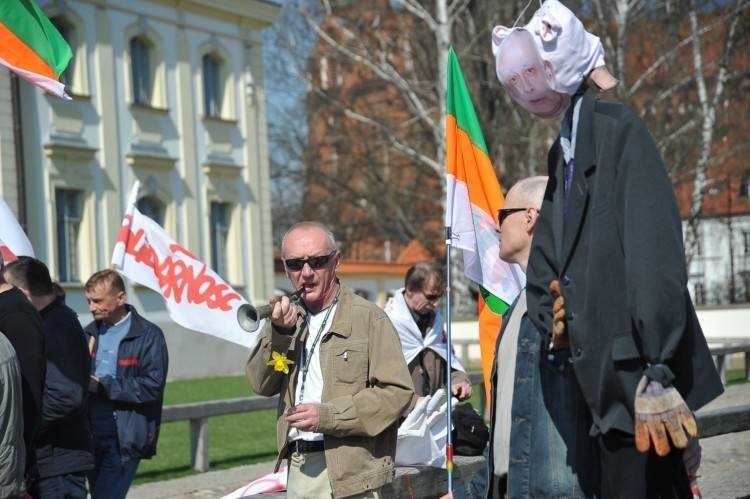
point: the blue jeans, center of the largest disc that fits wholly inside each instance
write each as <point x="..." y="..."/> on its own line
<point x="110" y="478"/>
<point x="477" y="486"/>
<point x="70" y="486"/>
<point x="551" y="453"/>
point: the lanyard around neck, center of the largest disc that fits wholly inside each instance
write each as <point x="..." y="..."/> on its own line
<point x="306" y="362"/>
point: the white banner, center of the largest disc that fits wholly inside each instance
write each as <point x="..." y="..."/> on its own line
<point x="196" y="297"/>
<point x="13" y="240"/>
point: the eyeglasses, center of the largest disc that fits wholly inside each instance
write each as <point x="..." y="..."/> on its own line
<point x="433" y="297"/>
<point x="315" y="262"/>
<point x="504" y="213"/>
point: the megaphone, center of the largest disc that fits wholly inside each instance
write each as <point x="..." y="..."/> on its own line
<point x="249" y="317"/>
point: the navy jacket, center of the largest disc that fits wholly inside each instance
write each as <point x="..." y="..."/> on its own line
<point x="64" y="444"/>
<point x="138" y="388"/>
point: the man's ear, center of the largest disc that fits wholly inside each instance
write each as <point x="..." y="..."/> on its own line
<point x="550" y="72"/>
<point x="532" y="216"/>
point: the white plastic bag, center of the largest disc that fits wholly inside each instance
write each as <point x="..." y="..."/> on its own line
<point x="422" y="435"/>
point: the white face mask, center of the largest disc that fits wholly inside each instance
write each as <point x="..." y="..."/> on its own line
<point x="527" y="78"/>
<point x="565" y="53"/>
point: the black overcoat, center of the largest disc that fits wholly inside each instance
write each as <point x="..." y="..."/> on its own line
<point x="618" y="253"/>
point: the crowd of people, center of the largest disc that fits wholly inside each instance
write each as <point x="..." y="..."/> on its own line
<point x="598" y="367"/>
<point x="600" y="362"/>
<point x="78" y="405"/>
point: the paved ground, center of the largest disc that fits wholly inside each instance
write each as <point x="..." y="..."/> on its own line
<point x="724" y="472"/>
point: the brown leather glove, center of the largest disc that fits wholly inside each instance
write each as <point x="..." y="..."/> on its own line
<point x="559" y="328"/>
<point x="658" y="408"/>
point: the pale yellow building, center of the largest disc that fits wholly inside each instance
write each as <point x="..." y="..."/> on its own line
<point x="167" y="92"/>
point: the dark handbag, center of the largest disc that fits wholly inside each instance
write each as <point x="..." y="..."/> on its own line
<point x="470" y="433"/>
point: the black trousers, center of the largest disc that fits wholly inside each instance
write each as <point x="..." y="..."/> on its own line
<point x="628" y="474"/>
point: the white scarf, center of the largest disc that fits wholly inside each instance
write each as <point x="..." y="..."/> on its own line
<point x="411" y="338"/>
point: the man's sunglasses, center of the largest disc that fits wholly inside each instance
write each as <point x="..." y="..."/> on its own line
<point x="504" y="213"/>
<point x="315" y="262"/>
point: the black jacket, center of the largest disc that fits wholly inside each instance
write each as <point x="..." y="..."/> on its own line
<point x="64" y="444"/>
<point x="619" y="256"/>
<point x="21" y="324"/>
<point x="137" y="390"/>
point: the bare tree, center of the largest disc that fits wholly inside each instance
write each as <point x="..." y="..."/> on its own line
<point x="369" y="155"/>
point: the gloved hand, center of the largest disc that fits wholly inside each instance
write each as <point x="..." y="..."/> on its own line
<point x="559" y="328"/>
<point x="658" y="407"/>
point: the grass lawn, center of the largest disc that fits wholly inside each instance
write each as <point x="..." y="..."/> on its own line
<point x="234" y="440"/>
<point x="736" y="376"/>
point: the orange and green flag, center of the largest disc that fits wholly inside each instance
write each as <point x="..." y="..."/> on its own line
<point x="474" y="196"/>
<point x="31" y="46"/>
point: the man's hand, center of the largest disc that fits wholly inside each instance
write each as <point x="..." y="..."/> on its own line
<point x="559" y="329"/>
<point x="656" y="408"/>
<point x="304" y="417"/>
<point x="461" y="390"/>
<point x="284" y="313"/>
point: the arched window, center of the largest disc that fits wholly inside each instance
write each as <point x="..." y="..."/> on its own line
<point x="141" y="70"/>
<point x="213" y="85"/>
<point x="152" y="208"/>
<point x="219" y="237"/>
<point x="68" y="207"/>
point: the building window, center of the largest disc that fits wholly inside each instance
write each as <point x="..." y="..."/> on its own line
<point x="698" y="242"/>
<point x="746" y="242"/>
<point x="700" y="293"/>
<point x="219" y="237"/>
<point x="213" y="88"/>
<point x="140" y="60"/>
<point x="66" y="78"/>
<point x="68" y="204"/>
<point x="152" y="208"/>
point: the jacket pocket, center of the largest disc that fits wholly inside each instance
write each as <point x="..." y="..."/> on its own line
<point x="350" y="361"/>
<point x="624" y="347"/>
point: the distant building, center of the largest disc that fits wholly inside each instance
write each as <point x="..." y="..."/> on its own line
<point x="660" y="86"/>
<point x="719" y="272"/>
<point x="167" y="93"/>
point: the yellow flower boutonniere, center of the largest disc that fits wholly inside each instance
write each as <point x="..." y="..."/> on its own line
<point x="280" y="362"/>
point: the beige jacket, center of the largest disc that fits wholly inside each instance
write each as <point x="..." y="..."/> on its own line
<point x="366" y="387"/>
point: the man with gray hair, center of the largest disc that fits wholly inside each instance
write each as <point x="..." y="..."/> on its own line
<point x="539" y="444"/>
<point x="606" y="272"/>
<point x="336" y="361"/>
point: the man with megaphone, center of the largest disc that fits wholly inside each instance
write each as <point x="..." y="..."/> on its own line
<point x="337" y="363"/>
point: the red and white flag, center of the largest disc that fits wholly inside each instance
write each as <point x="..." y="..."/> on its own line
<point x="13" y="240"/>
<point x="196" y="297"/>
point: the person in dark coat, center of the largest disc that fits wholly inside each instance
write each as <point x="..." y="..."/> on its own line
<point x="606" y="273"/>
<point x="64" y="450"/>
<point x="128" y="376"/>
<point x="22" y="325"/>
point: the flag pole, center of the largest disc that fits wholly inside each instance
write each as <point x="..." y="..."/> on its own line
<point x="448" y="357"/>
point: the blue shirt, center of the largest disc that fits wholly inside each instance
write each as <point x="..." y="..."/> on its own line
<point x="101" y="409"/>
